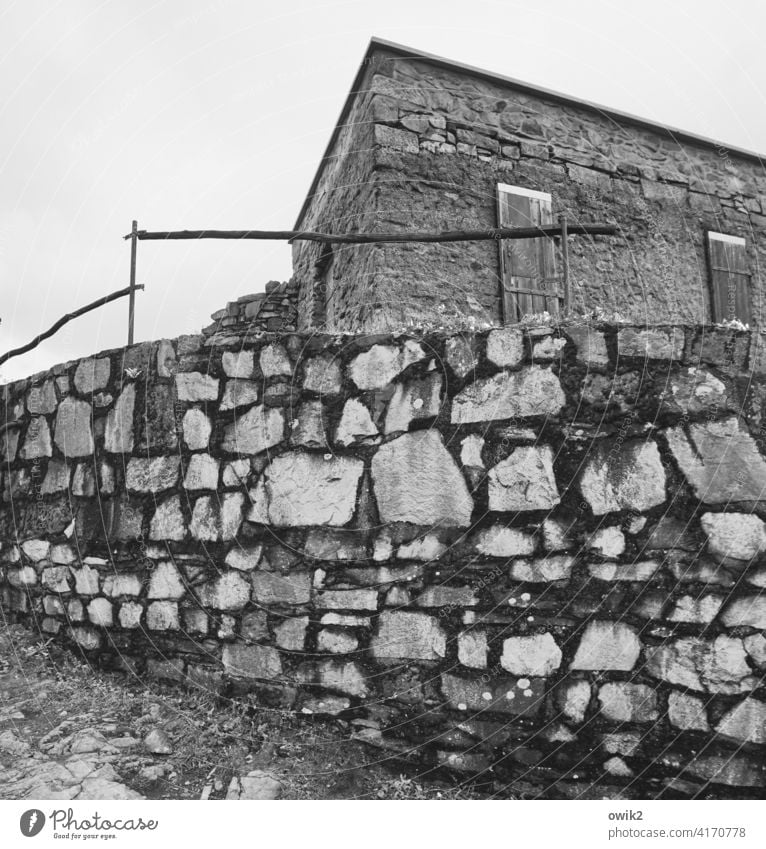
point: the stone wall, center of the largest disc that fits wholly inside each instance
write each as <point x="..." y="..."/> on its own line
<point x="532" y="553"/>
<point x="441" y="139"/>
<point x="274" y="310"/>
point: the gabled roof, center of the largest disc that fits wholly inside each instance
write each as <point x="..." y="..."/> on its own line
<point x="518" y="85"/>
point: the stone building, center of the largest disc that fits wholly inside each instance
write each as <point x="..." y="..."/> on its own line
<point x="426" y="143"/>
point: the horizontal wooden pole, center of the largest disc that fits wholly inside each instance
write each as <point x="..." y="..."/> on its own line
<point x="489" y="234"/>
<point x="64" y="320"/>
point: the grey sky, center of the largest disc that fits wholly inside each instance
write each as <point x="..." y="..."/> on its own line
<point x="215" y="114"/>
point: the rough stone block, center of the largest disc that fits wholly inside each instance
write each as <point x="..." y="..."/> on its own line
<point x="412" y="400"/>
<point x="307" y="489"/>
<point x="92" y="375"/>
<point x="275" y="588"/>
<point x="162" y="616"/>
<point x="627" y="476"/>
<point x="195" y="386"/>
<point x="533" y="391"/>
<point x="607" y="645"/>
<point x="73" y="434"/>
<point x="717" y="666"/>
<point x="122" y="584"/>
<point x="404" y="634"/>
<point x="740" y="536"/>
<point x="275" y="362"/>
<point x="347" y="600"/>
<point x="537" y="655"/>
<point x="416" y="480"/>
<point x="472" y="649"/>
<point x="237" y="363"/>
<point x="239" y="393"/>
<point x="747" y="611"/>
<point x="256" y="430"/>
<point x="334" y="641"/>
<point x="118" y="437"/>
<point x="37" y="442"/>
<point x="229" y="591"/>
<point x="505" y="347"/>
<point x="745" y="722"/>
<point x="166" y="582"/>
<point x="686" y="712"/>
<point x="322" y="375"/>
<point x="518" y="697"/>
<point x="590" y="345"/>
<point x="100" y="612"/>
<point x="356" y="426"/>
<point x="377" y="367"/>
<point x="168" y="521"/>
<point x="720" y="460"/>
<point x="460" y="354"/>
<point x="290" y="633"/>
<point x="622" y="701"/>
<point x="197" y="428"/>
<point x="524" y="481"/>
<point x="243" y="661"/>
<point x="651" y="343"/>
<point x="202" y="472"/>
<point x="153" y="474"/>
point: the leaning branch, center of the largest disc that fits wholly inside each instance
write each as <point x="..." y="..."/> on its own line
<point x="64" y="320"/>
<point x="487" y="234"/>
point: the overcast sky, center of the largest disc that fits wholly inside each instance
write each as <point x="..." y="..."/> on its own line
<point x="215" y="114"/>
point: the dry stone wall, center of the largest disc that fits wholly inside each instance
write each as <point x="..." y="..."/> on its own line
<point x="537" y="553"/>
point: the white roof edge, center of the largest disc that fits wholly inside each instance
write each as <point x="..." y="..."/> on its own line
<point x="520" y="190"/>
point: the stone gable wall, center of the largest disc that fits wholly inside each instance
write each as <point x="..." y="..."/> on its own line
<point x="531" y="551"/>
<point x="438" y="142"/>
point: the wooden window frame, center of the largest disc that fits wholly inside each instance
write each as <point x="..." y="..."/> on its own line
<point x="727" y="310"/>
<point x="512" y="294"/>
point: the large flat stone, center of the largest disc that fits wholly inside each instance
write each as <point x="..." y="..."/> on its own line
<point x="153" y="474"/>
<point x="307" y="489"/>
<point x="377" y="367"/>
<point x="745" y="722"/>
<point x="415" y="399"/>
<point x="536" y="654"/>
<point x="37" y="442"/>
<point x="405" y="634"/>
<point x="533" y="391"/>
<point x="627" y="476"/>
<point x="92" y="375"/>
<point x="524" y="480"/>
<point x="243" y="661"/>
<point x="717" y="666"/>
<point x="740" y="536"/>
<point x="73" y="435"/>
<point x="195" y="386"/>
<point x="118" y="437"/>
<point x="256" y="430"/>
<point x="416" y="480"/>
<point x="607" y="645"/>
<point x="720" y="460"/>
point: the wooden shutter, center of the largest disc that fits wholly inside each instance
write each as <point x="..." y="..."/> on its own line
<point x="729" y="278"/>
<point x="527" y="266"/>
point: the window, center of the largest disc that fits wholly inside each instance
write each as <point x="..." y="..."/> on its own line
<point x="729" y="278"/>
<point x="527" y="266"/>
<point x="322" y="278"/>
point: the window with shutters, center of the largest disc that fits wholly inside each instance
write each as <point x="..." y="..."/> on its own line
<point x="729" y="278"/>
<point x="527" y="266"/>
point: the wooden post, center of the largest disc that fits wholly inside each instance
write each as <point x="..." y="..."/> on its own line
<point x="132" y="298"/>
<point x="565" y="262"/>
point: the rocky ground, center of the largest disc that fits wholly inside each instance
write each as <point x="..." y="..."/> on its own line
<point x="69" y="732"/>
